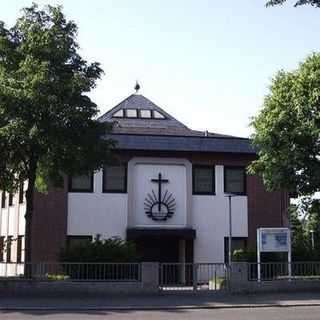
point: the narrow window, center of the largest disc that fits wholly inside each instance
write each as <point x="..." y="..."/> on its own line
<point x="8" y="248"/>
<point x="145" y="114"/>
<point x="3" y="199"/>
<point x="158" y="115"/>
<point x="1" y="248"/>
<point x="78" y="240"/>
<point x="118" y="114"/>
<point x="21" y="193"/>
<point x="203" y="180"/>
<point x="10" y="199"/>
<point x="235" y="180"/>
<point x="115" y="179"/>
<point x="131" y="113"/>
<point x="83" y="183"/>
<point x="19" y="248"/>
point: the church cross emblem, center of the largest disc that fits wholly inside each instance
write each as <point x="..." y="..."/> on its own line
<point x="161" y="206"/>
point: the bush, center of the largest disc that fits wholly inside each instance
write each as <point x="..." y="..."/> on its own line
<point x="250" y="255"/>
<point x="108" y="251"/>
<point x="242" y="255"/>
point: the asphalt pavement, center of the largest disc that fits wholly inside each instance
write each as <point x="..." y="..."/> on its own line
<point x="172" y="301"/>
<point x="282" y="313"/>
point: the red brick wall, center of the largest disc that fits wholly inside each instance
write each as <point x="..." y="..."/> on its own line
<point x="265" y="209"/>
<point x="49" y="225"/>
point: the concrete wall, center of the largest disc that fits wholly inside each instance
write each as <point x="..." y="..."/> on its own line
<point x="66" y="288"/>
<point x="211" y="220"/>
<point x="240" y="284"/>
<point x="12" y="223"/>
<point x="149" y="283"/>
<point x="109" y="214"/>
<point x="97" y="212"/>
<point x="141" y="171"/>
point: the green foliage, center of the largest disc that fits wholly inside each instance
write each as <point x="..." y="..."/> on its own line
<point x="312" y="226"/>
<point x="242" y="255"/>
<point x="287" y="131"/>
<point x="305" y="219"/>
<point x="47" y="120"/>
<point x="48" y="123"/>
<point x="299" y="241"/>
<point x="315" y="3"/>
<point x="109" y="250"/>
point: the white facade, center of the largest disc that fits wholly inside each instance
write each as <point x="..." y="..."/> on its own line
<point x="211" y="221"/>
<point x="110" y="214"/>
<point x="97" y="212"/>
<point x="12" y="225"/>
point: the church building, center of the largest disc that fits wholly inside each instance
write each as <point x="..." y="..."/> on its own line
<point x="166" y="191"/>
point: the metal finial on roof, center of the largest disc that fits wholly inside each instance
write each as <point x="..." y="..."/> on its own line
<point x="137" y="87"/>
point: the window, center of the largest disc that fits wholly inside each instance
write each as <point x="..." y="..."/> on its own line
<point x="115" y="179"/>
<point x="78" y="240"/>
<point x="19" y="248"/>
<point x="83" y="183"/>
<point x="21" y="193"/>
<point x="131" y="113"/>
<point x="10" y="199"/>
<point x="158" y="115"/>
<point x="236" y="244"/>
<point x="145" y="114"/>
<point x="8" y="248"/>
<point x="1" y="248"/>
<point x="235" y="180"/>
<point x="3" y="199"/>
<point x="203" y="180"/>
<point x="118" y="114"/>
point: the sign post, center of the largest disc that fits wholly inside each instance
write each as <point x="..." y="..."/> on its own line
<point x="273" y="240"/>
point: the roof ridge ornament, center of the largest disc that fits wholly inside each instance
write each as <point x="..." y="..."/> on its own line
<point x="137" y="87"/>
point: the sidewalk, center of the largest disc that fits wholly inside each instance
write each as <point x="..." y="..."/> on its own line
<point x="163" y="302"/>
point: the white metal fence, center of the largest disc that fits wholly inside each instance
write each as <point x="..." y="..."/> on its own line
<point x="73" y="271"/>
<point x="193" y="276"/>
<point x="284" y="271"/>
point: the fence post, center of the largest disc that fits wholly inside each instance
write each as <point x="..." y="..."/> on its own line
<point x="238" y="276"/>
<point x="150" y="276"/>
<point x="195" y="276"/>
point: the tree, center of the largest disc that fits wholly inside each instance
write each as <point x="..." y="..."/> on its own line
<point x="300" y="246"/>
<point x="315" y="3"/>
<point x="47" y="120"/>
<point x="287" y="131"/>
<point x="313" y="226"/>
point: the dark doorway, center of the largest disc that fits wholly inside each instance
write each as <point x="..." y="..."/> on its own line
<point x="158" y="249"/>
<point x="164" y="249"/>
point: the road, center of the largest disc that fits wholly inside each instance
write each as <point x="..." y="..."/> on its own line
<point x="279" y="313"/>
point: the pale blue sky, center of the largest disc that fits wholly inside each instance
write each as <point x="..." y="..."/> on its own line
<point x="207" y="62"/>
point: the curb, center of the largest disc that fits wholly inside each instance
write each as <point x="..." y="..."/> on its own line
<point x="159" y="308"/>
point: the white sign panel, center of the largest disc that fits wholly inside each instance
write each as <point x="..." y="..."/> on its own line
<point x="274" y="239"/>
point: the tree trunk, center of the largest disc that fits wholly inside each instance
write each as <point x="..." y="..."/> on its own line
<point x="28" y="220"/>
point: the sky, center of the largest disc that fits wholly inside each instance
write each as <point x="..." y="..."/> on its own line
<point x="209" y="63"/>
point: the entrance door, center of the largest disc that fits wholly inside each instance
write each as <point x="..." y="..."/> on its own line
<point x="158" y="249"/>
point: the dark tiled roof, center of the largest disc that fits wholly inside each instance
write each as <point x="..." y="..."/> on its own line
<point x="182" y="143"/>
<point x="166" y="134"/>
<point x="165" y="131"/>
<point x="138" y="101"/>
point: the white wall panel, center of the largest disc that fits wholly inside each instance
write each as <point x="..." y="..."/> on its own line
<point x="22" y="220"/>
<point x="4" y="221"/>
<point x="97" y="212"/>
<point x="211" y="221"/>
<point x="12" y="221"/>
<point x="142" y="186"/>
